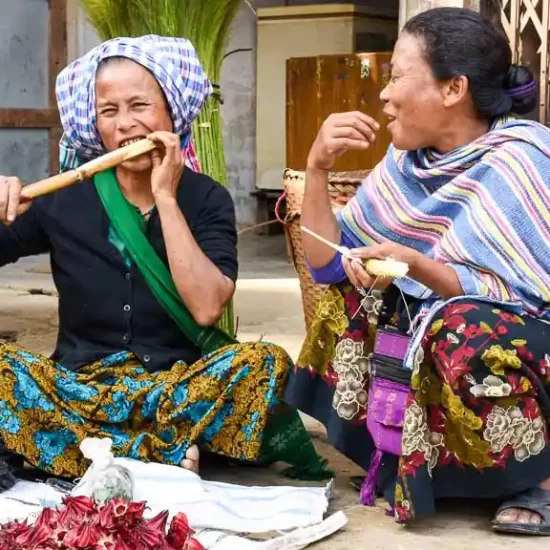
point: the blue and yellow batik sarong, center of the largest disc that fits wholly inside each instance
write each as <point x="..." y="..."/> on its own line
<point x="227" y="403"/>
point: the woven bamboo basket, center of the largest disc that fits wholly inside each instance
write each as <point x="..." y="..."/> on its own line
<point x="342" y="187"/>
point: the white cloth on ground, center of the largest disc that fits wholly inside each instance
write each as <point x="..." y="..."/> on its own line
<point x="212" y="505"/>
<point x="217" y="511"/>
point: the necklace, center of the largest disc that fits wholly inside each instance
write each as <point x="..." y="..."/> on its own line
<point x="145" y="212"/>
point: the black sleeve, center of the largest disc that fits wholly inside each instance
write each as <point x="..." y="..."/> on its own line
<point x="24" y="237"/>
<point x="216" y="233"/>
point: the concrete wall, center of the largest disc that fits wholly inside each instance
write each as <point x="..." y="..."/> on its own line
<point x="238" y="86"/>
<point x="24" y="84"/>
<point x="81" y="36"/>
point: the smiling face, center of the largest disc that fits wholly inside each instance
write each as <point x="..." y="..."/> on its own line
<point x="416" y="103"/>
<point x="130" y="105"/>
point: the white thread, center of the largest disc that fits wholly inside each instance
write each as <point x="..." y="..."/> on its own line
<point x="410" y="331"/>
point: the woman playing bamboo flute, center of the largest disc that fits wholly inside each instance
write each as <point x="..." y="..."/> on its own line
<point x="144" y="259"/>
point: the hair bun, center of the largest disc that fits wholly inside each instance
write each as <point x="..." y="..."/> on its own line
<point x="521" y="87"/>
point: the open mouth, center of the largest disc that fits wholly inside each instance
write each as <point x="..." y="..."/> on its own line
<point x="130" y="141"/>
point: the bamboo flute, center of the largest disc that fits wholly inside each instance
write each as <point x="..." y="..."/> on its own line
<point x="87" y="170"/>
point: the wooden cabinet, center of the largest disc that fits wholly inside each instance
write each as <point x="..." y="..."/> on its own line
<point x="322" y="85"/>
<point x="307" y="31"/>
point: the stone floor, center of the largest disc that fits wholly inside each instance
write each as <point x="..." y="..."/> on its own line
<point x="268" y="305"/>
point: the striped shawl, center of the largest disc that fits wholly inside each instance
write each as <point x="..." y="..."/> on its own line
<point x="483" y="209"/>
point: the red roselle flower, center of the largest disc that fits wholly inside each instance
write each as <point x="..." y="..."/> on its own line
<point x="13" y="530"/>
<point x="180" y="532"/>
<point x="122" y="544"/>
<point x="35" y="536"/>
<point x="86" y="535"/>
<point x="59" y="535"/>
<point x="74" y="510"/>
<point x="158" y="523"/>
<point x="120" y="507"/>
<point x="82" y="524"/>
<point x="105" y="517"/>
<point x="105" y="543"/>
<point x="149" y="538"/>
<point x="79" y="505"/>
<point x="135" y="512"/>
<point x="49" y="517"/>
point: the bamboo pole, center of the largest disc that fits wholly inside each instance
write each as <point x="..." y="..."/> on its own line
<point x="86" y="171"/>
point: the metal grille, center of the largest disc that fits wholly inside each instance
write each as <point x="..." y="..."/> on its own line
<point x="526" y="24"/>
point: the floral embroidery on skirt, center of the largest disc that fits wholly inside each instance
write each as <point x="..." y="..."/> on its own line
<point x="477" y="411"/>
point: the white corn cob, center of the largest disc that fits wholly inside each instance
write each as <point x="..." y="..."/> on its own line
<point x="387" y="268"/>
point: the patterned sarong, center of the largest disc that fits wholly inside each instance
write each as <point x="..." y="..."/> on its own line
<point x="228" y="403"/>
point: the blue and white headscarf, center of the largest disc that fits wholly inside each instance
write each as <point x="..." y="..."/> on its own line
<point x="172" y="61"/>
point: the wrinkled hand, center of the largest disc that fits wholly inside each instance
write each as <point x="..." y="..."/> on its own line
<point x="340" y="133"/>
<point x="11" y="204"/>
<point x="359" y="276"/>
<point x="387" y="250"/>
<point x="168" y="164"/>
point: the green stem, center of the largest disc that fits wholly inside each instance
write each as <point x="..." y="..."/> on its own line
<point x="208" y="140"/>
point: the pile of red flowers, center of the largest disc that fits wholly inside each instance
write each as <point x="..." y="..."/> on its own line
<point x="84" y="525"/>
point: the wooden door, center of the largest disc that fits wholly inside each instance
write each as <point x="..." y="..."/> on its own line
<point x="320" y="86"/>
<point x="33" y="49"/>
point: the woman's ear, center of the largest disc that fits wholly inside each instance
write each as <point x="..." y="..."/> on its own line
<point x="455" y="90"/>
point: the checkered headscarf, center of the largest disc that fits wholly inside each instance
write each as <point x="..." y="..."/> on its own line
<point x="172" y="61"/>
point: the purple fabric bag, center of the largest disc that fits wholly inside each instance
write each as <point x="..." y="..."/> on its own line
<point x="391" y="343"/>
<point x="388" y="393"/>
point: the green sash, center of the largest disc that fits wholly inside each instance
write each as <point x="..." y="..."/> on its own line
<point x="127" y="222"/>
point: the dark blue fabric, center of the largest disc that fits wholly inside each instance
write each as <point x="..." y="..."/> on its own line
<point x="104" y="306"/>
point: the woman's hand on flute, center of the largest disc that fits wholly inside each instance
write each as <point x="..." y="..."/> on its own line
<point x="11" y="204"/>
<point x="168" y="165"/>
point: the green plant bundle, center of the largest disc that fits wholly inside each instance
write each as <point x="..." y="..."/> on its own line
<point x="207" y="24"/>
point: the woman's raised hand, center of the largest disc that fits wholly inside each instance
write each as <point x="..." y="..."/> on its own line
<point x="340" y="133"/>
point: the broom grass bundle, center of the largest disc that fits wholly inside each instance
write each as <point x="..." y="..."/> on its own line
<point x="207" y="24"/>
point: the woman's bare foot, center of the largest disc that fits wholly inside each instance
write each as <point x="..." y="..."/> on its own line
<point x="191" y="460"/>
<point x="520" y="515"/>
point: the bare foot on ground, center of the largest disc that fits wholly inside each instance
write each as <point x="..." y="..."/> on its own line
<point x="191" y="460"/>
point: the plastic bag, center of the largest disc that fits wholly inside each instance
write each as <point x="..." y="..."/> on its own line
<point x="104" y="480"/>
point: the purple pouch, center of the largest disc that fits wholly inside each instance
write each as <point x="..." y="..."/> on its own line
<point x="388" y="393"/>
<point x="391" y="343"/>
<point x="385" y="414"/>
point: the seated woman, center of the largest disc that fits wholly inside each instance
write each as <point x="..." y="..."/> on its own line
<point x="144" y="258"/>
<point x="463" y="197"/>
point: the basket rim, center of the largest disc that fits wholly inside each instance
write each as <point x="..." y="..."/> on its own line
<point x="350" y="177"/>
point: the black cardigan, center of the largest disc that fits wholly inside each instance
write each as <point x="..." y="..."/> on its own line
<point x="104" y="307"/>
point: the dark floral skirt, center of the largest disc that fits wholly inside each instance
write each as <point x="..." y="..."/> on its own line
<point x="476" y="423"/>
